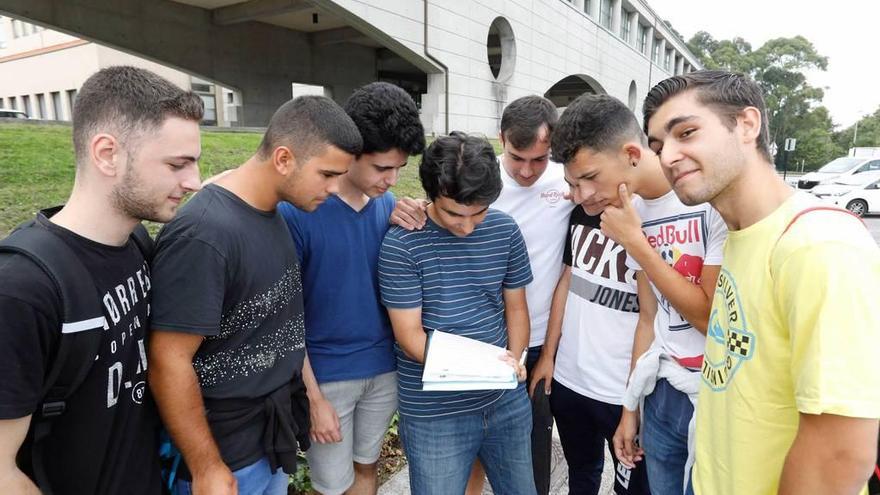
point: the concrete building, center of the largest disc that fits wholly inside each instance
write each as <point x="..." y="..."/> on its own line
<point x="41" y="71"/>
<point x="462" y="60"/>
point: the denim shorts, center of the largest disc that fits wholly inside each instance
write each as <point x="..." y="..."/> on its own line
<point x="441" y="450"/>
<point x="364" y="407"/>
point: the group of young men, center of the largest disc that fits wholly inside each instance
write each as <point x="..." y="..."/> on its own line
<point x="645" y="273"/>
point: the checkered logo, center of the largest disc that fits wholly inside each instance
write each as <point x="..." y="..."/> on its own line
<point x="739" y="344"/>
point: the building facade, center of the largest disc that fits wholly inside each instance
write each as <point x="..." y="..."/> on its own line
<point x="41" y="71"/>
<point x="462" y="61"/>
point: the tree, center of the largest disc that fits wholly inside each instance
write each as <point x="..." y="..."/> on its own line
<point x="793" y="105"/>
<point x="869" y="132"/>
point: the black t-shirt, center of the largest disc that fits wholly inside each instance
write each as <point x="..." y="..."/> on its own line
<point x="106" y="441"/>
<point x="579" y="217"/>
<point x="230" y="272"/>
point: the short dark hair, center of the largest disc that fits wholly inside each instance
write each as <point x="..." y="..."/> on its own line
<point x="387" y="117"/>
<point x="524" y="116"/>
<point x="462" y="168"/>
<point x="306" y="125"/>
<point x="129" y="100"/>
<point x="596" y="122"/>
<point x="726" y="93"/>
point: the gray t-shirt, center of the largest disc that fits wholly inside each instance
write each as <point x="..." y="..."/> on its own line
<point x="230" y="272"/>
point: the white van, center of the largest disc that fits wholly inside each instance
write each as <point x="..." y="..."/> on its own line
<point x="845" y="165"/>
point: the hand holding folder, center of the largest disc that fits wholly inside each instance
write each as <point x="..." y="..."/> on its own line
<point x="454" y="363"/>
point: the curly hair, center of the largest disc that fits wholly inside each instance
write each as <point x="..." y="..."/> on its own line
<point x="596" y="122"/>
<point x="387" y="117"/>
<point x="462" y="168"/>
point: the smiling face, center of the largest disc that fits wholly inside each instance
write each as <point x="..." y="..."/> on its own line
<point x="374" y="173"/>
<point x="526" y="166"/>
<point x="594" y="178"/>
<point x="699" y="154"/>
<point x="457" y="218"/>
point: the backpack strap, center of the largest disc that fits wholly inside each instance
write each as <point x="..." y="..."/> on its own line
<point x="818" y="208"/>
<point x="143" y="241"/>
<point x="82" y="326"/>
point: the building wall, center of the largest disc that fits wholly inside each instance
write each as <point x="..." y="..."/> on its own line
<point x="553" y="39"/>
<point x="37" y="63"/>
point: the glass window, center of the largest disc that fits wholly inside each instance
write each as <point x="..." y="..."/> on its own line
<point x="643" y="39"/>
<point x="56" y="105"/>
<point x="210" y="102"/>
<point x="71" y="100"/>
<point x="667" y="61"/>
<point x="655" y="52"/>
<point x="26" y="104"/>
<point x="624" y="25"/>
<point x="587" y="6"/>
<point x="16" y="28"/>
<point x="605" y="13"/>
<point x="41" y="104"/>
<point x="13" y="104"/>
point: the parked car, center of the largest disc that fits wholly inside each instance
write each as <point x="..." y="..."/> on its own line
<point x="7" y="113"/>
<point x="845" y="165"/>
<point x="858" y="193"/>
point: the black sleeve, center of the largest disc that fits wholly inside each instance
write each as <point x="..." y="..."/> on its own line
<point x="572" y="221"/>
<point x="189" y="281"/>
<point x="30" y="325"/>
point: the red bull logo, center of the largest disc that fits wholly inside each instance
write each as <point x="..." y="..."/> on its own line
<point x="671" y="234"/>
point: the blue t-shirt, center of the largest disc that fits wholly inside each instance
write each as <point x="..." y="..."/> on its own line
<point x="348" y="335"/>
<point x="458" y="282"/>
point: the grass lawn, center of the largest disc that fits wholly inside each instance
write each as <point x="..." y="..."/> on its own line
<point x="37" y="167"/>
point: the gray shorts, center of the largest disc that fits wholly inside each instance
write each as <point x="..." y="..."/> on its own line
<point x="365" y="407"/>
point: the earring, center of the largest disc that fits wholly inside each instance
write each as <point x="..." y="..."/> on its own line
<point x="635" y="163"/>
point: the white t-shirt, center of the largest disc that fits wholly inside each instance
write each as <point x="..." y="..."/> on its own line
<point x="542" y="215"/>
<point x="601" y="312"/>
<point x="687" y="237"/>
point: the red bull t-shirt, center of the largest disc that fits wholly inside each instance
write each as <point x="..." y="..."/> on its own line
<point x="687" y="237"/>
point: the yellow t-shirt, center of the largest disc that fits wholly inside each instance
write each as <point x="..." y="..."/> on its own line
<point x="794" y="328"/>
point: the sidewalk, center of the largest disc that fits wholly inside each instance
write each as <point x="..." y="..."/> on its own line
<point x="399" y="483"/>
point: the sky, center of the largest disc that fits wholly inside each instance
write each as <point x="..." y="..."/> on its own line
<point x="845" y="31"/>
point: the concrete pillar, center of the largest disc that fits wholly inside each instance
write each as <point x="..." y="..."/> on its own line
<point x="650" y="48"/>
<point x="661" y="53"/>
<point x="593" y="9"/>
<point x="260" y="98"/>
<point x="220" y="106"/>
<point x="65" y="106"/>
<point x="578" y="4"/>
<point x="433" y="111"/>
<point x="616" y="13"/>
<point x="679" y="65"/>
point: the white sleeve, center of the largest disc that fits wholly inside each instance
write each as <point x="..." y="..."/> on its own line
<point x="639" y="206"/>
<point x="717" y="235"/>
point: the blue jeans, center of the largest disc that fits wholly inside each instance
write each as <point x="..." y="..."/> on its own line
<point x="664" y="437"/>
<point x="256" y="479"/>
<point x="441" y="451"/>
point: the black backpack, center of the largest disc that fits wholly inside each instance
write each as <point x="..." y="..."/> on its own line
<point x="82" y="321"/>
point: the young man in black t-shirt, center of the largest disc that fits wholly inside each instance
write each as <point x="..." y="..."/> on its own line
<point x="229" y="340"/>
<point x="136" y="138"/>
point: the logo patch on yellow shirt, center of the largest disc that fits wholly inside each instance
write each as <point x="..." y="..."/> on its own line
<point x="729" y="343"/>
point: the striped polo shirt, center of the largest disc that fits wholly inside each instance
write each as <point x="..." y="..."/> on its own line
<point x="458" y="282"/>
